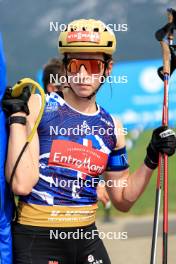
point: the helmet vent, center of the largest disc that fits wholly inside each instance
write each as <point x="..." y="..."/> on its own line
<point x="109" y="44"/>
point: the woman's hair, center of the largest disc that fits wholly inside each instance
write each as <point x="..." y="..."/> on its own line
<point x="107" y="57"/>
<point x="54" y="67"/>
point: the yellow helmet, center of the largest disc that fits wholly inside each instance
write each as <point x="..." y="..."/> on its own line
<point x="87" y="35"/>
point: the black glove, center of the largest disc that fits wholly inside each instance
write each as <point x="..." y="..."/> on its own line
<point x="12" y="105"/>
<point x="163" y="141"/>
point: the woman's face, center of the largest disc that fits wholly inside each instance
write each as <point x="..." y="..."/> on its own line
<point x="83" y="76"/>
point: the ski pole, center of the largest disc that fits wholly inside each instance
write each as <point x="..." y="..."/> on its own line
<point x="163" y="159"/>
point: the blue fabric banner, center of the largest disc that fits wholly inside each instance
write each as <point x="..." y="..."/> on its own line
<point x="5" y="201"/>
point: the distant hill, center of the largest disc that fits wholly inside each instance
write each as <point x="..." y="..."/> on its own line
<point x="29" y="42"/>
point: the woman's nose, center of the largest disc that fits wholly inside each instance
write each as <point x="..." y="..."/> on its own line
<point x="82" y="71"/>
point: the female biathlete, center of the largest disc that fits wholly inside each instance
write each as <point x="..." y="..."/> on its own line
<point x="76" y="142"/>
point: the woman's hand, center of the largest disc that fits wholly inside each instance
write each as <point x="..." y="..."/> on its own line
<point x="102" y="194"/>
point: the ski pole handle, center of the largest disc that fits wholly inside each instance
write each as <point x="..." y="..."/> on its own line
<point x="166" y="57"/>
<point x="166" y="42"/>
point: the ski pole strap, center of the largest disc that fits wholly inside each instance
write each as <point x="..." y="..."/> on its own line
<point x="165" y="36"/>
<point x="162" y="33"/>
<point x="167" y="31"/>
<point x="17" y="90"/>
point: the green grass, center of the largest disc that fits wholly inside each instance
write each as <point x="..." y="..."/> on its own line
<point x="145" y="204"/>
